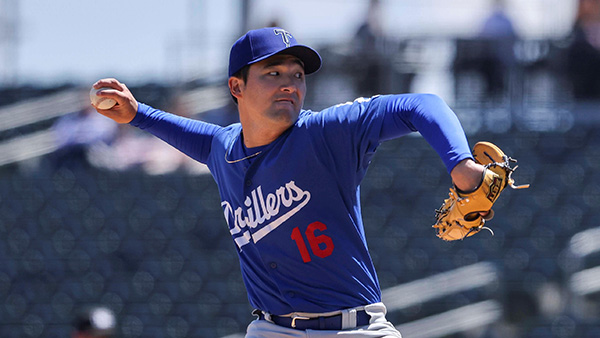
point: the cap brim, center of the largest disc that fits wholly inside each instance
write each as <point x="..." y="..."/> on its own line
<point x="309" y="57"/>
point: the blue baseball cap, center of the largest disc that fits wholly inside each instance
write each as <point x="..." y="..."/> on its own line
<point x="259" y="44"/>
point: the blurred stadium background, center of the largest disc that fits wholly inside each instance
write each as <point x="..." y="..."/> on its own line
<point x="92" y="213"/>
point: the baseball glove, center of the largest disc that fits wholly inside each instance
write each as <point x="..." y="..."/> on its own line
<point x="460" y="214"/>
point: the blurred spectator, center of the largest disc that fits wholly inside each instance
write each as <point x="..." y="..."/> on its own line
<point x="163" y="159"/>
<point x="583" y="55"/>
<point x="370" y="30"/>
<point x="367" y="59"/>
<point x="499" y="36"/>
<point x="96" y="322"/>
<point x="273" y="23"/>
<point x="76" y="133"/>
<point x="132" y="149"/>
<point x="498" y="24"/>
<point x="129" y="150"/>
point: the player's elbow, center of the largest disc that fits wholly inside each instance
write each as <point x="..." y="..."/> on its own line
<point x="431" y="100"/>
<point x="419" y="102"/>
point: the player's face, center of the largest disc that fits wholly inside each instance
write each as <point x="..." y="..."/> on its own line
<point x="275" y="89"/>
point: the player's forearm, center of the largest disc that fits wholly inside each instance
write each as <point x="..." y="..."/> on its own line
<point x="191" y="137"/>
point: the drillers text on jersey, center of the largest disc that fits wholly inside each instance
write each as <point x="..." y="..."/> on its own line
<point x="275" y="207"/>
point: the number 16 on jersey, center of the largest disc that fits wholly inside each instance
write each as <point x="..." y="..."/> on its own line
<point x="321" y="245"/>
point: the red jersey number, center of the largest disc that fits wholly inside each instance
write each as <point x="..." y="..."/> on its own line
<point x="321" y="245"/>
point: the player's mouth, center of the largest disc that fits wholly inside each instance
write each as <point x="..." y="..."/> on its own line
<point x="285" y="100"/>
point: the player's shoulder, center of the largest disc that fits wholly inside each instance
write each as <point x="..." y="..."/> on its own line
<point x="228" y="132"/>
<point x="358" y="105"/>
<point x="358" y="102"/>
<point x="342" y="110"/>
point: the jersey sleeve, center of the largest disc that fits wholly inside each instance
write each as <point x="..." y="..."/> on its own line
<point x="433" y="119"/>
<point x="368" y="122"/>
<point x="192" y="137"/>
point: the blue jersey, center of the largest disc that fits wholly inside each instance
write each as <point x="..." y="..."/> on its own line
<point x="292" y="206"/>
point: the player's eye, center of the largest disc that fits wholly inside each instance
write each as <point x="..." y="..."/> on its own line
<point x="299" y="75"/>
<point x="274" y="73"/>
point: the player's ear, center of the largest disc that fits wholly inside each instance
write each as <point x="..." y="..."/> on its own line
<point x="235" y="86"/>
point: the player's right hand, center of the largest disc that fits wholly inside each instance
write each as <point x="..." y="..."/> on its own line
<point x="125" y="109"/>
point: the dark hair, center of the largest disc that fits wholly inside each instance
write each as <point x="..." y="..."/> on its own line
<point x="241" y="74"/>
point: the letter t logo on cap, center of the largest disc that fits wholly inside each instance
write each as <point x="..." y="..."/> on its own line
<point x="284" y="35"/>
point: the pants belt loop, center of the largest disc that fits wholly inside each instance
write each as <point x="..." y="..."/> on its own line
<point x="348" y="319"/>
<point x="268" y="317"/>
<point x="258" y="313"/>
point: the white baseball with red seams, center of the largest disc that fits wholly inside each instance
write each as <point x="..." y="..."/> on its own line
<point x="101" y="102"/>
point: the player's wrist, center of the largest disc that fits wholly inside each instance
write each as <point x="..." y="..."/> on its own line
<point x="471" y="189"/>
<point x="467" y="175"/>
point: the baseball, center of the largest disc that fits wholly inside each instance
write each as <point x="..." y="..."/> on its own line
<point x="101" y="102"/>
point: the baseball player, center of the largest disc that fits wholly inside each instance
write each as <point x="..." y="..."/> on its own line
<point x="289" y="181"/>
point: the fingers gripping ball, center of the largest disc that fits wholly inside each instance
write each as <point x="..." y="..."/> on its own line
<point x="101" y="102"/>
<point x="460" y="214"/>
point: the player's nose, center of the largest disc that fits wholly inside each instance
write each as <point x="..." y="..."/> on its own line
<point x="289" y="85"/>
<point x="292" y="84"/>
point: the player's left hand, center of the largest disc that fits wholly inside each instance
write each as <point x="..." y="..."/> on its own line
<point x="464" y="214"/>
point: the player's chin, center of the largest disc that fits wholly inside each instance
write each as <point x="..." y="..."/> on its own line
<point x="287" y="115"/>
